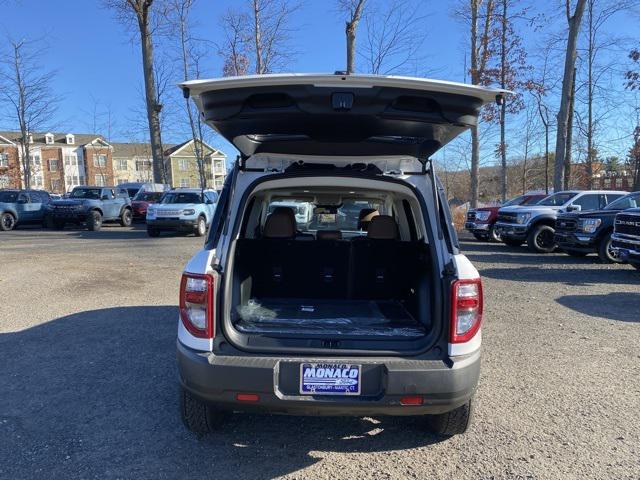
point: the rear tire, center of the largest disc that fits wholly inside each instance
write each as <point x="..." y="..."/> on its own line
<point x="7" y="222"/>
<point x="604" y="251"/>
<point x="540" y="239"/>
<point x="199" y="417"/>
<point x="153" y="232"/>
<point x="511" y="242"/>
<point x="126" y="219"/>
<point x="94" y="221"/>
<point x="201" y="226"/>
<point x="451" y="423"/>
<point x="636" y="266"/>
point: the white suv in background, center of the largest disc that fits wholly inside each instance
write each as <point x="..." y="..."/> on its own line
<point x="182" y="210"/>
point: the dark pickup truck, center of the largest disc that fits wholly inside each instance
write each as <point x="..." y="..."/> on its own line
<point x="581" y="233"/>
<point x="91" y="206"/>
<point x="626" y="236"/>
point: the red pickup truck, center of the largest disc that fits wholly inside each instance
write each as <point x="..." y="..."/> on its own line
<point x="480" y="221"/>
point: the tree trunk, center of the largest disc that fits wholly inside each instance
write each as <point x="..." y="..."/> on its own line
<point x="503" y="107"/>
<point x="153" y="108"/>
<point x="590" y="58"/>
<point x="257" y="37"/>
<point x="563" y="113"/>
<point x="350" y="30"/>
<point x="569" y="149"/>
<point x="475" y="143"/>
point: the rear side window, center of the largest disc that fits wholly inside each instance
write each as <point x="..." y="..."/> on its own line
<point x="588" y="202"/>
<point x="608" y="198"/>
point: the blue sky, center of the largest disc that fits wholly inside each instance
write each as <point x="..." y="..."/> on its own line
<point x="96" y="62"/>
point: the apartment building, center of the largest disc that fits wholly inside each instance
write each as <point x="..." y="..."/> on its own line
<point x="61" y="161"/>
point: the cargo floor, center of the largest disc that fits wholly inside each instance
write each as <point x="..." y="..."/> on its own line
<point x="358" y="318"/>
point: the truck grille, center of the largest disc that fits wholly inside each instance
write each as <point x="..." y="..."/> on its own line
<point x="169" y="213"/>
<point x="507" y="217"/>
<point x="566" y="225"/>
<point x="627" y="224"/>
<point x="471" y="216"/>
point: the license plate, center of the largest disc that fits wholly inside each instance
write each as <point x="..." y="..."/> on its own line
<point x="330" y="379"/>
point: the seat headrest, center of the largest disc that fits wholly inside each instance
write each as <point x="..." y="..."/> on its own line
<point x="329" y="235"/>
<point x="365" y="216"/>
<point x="281" y="223"/>
<point x="383" y="227"/>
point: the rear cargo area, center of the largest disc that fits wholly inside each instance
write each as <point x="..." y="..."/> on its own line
<point x="360" y="288"/>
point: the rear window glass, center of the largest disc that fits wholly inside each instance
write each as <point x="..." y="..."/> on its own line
<point x="345" y="217"/>
<point x="181" y="197"/>
<point x="8" y="197"/>
<point x="629" y="201"/>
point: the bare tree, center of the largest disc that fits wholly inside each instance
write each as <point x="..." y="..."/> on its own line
<point x="189" y="59"/>
<point x="144" y="14"/>
<point x="235" y="47"/>
<point x="26" y="94"/>
<point x="479" y="11"/>
<point x="354" y="10"/>
<point x="395" y="37"/>
<point x="574" y="22"/>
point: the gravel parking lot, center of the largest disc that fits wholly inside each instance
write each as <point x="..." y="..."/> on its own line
<point x="88" y="375"/>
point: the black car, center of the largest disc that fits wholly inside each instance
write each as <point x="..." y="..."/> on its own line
<point x="581" y="233"/>
<point x="626" y="236"/>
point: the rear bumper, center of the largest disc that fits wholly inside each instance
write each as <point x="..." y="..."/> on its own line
<point x="176" y="224"/>
<point x="510" y="230"/>
<point x="444" y="386"/>
<point x="628" y="249"/>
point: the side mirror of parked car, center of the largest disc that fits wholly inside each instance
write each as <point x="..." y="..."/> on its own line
<point x="104" y="197"/>
<point x="574" y="208"/>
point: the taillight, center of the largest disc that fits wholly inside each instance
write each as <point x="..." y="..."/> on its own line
<point x="196" y="304"/>
<point x="466" y="309"/>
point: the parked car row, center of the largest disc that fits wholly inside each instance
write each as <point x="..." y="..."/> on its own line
<point x="178" y="210"/>
<point x="576" y="222"/>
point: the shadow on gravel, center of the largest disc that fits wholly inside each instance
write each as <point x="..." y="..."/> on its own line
<point x="500" y="253"/>
<point x="94" y="394"/>
<point x="622" y="306"/>
<point x="617" y="275"/>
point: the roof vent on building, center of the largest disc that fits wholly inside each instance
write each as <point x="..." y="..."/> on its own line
<point x="70" y="139"/>
<point x="48" y="138"/>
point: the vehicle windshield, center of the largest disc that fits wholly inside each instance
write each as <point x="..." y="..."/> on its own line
<point x="148" y="196"/>
<point x="181" y="197"/>
<point x="132" y="191"/>
<point x="557" y="199"/>
<point x="8" y="197"/>
<point x="514" y="201"/>
<point x="629" y="201"/>
<point x="90" y="193"/>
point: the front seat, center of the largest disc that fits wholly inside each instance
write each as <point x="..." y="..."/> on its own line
<point x="365" y="216"/>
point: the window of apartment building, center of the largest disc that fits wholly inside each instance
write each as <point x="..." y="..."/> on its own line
<point x="37" y="181"/>
<point x="100" y="161"/>
<point x="73" y="180"/>
<point x="219" y="184"/>
<point x="71" y="160"/>
<point x="101" y="180"/>
<point x="48" y="139"/>
<point x="184" y="182"/>
<point x="4" y="181"/>
<point x="35" y="159"/>
<point x="618" y="182"/>
<point x="183" y="164"/>
<point x="56" y="184"/>
<point x="70" y="139"/>
<point x="143" y="165"/>
<point x="607" y="183"/>
<point x="218" y="167"/>
<point x="53" y="165"/>
<point x="123" y="164"/>
<point x="4" y="159"/>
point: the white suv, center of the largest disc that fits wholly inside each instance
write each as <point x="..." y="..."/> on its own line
<point x="368" y="308"/>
